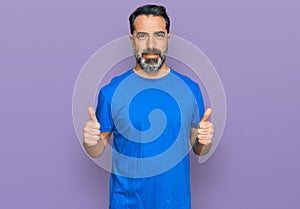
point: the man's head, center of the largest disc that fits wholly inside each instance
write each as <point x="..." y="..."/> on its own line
<point x="149" y="26"/>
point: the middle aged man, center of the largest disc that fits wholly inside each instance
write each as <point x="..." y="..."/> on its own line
<point x="170" y="188"/>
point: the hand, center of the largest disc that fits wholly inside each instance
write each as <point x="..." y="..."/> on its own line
<point x="205" y="129"/>
<point x="91" y="131"/>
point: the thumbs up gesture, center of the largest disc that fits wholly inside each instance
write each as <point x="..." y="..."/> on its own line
<point x="205" y="129"/>
<point x="91" y="131"/>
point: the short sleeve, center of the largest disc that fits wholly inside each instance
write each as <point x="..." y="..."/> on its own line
<point x="103" y="113"/>
<point x="198" y="107"/>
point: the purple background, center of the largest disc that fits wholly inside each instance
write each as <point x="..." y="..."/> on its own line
<point x="254" y="46"/>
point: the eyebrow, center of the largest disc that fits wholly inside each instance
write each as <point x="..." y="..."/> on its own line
<point x="157" y="32"/>
<point x="139" y="33"/>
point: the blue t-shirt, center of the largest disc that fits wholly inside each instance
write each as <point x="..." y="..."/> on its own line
<point x="151" y="121"/>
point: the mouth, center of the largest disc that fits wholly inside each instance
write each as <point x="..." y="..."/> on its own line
<point x="151" y="56"/>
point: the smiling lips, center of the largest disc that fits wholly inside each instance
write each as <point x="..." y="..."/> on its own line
<point x="151" y="56"/>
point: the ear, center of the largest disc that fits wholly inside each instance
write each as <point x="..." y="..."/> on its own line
<point x="131" y="40"/>
<point x="168" y="36"/>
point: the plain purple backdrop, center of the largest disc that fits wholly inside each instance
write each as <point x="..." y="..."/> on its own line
<point x="254" y="46"/>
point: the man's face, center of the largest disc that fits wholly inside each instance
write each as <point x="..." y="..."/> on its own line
<point x="150" y="42"/>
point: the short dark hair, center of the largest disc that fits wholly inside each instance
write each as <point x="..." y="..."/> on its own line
<point x="149" y="9"/>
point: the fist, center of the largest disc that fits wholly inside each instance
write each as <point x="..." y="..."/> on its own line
<point x="91" y="130"/>
<point x="205" y="129"/>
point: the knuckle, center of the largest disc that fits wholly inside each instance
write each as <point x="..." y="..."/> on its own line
<point x="85" y="129"/>
<point x="200" y="137"/>
<point x="202" y="142"/>
<point x="86" y="141"/>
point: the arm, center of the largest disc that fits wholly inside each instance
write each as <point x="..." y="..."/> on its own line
<point x="95" y="150"/>
<point x="94" y="141"/>
<point x="198" y="148"/>
<point x="201" y="138"/>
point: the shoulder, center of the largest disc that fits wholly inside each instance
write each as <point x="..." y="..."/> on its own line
<point x="188" y="81"/>
<point x="114" y="83"/>
<point x="192" y="85"/>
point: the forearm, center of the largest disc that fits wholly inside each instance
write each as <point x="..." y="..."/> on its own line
<point x="95" y="150"/>
<point x="201" y="149"/>
<point x="198" y="148"/>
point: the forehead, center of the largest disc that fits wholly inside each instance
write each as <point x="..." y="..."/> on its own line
<point x="149" y="23"/>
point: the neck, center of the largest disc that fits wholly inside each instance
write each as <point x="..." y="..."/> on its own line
<point x="163" y="71"/>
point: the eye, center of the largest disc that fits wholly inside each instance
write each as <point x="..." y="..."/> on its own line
<point x="160" y="35"/>
<point x="141" y="36"/>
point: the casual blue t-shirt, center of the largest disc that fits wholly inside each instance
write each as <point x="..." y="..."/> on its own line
<point x="151" y="121"/>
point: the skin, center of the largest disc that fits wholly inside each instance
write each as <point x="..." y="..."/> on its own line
<point x="201" y="137"/>
<point x="150" y="24"/>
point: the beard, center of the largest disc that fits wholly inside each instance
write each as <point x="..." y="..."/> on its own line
<point x="152" y="64"/>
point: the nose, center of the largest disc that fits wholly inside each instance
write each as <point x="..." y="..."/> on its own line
<point x="151" y="42"/>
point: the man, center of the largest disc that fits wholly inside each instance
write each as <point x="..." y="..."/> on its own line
<point x="139" y="184"/>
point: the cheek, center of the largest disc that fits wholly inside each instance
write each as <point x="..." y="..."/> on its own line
<point x="140" y="47"/>
<point x="162" y="45"/>
<point x="138" y="52"/>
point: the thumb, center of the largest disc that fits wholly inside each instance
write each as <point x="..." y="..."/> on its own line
<point x="206" y="115"/>
<point x="92" y="114"/>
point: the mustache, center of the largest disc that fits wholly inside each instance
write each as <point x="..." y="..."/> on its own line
<point x="151" y="51"/>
